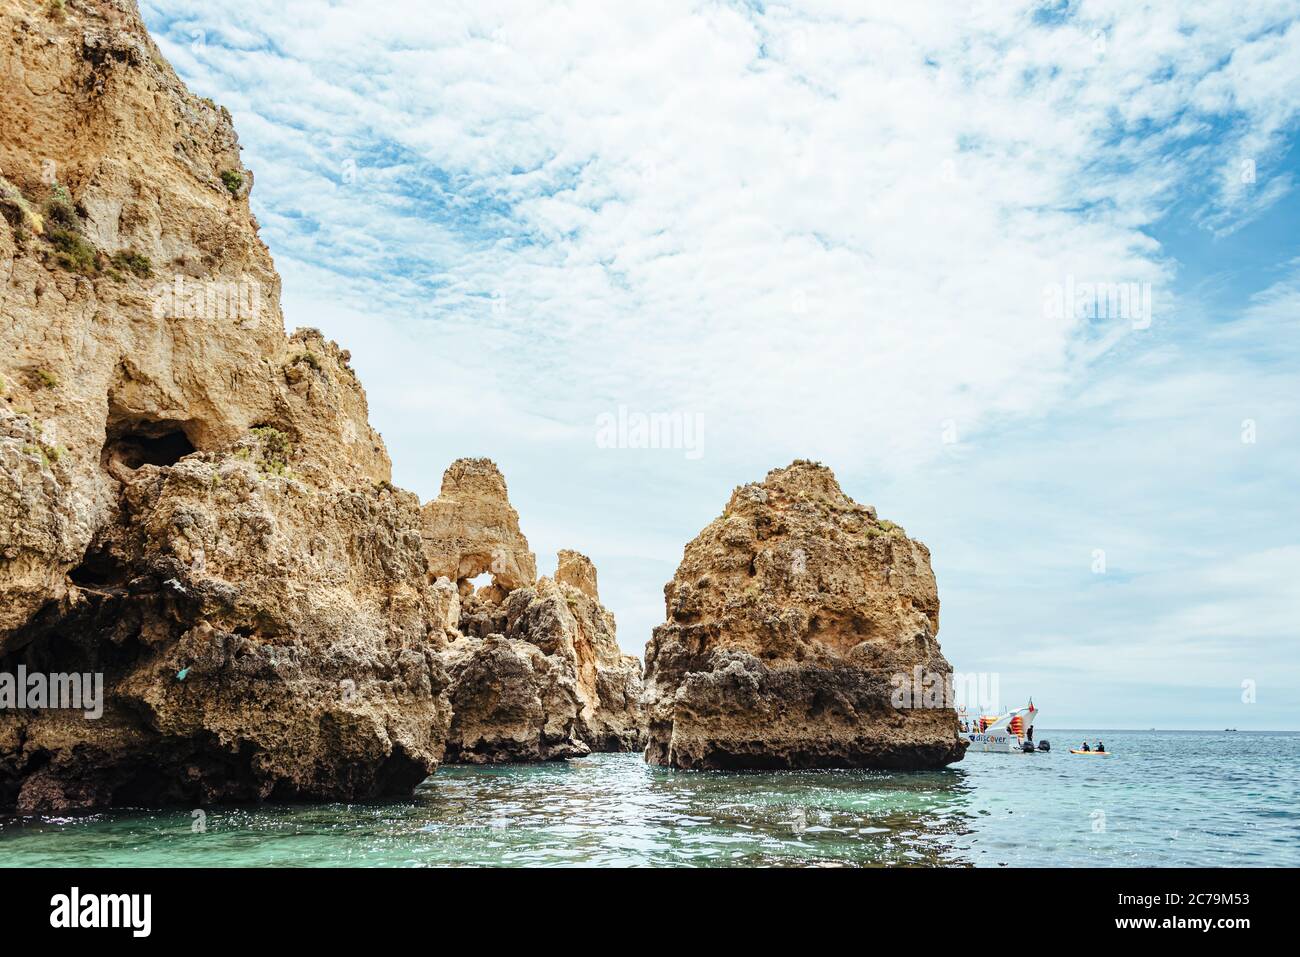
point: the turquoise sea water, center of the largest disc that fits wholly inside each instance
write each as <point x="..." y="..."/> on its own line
<point x="1160" y="798"/>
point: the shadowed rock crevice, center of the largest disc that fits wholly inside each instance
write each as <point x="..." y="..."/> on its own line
<point x="131" y="444"/>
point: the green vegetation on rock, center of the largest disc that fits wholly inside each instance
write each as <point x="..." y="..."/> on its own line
<point x="133" y="262"/>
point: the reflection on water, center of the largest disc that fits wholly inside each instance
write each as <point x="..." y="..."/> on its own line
<point x="1160" y="799"/>
<point x="616" y="810"/>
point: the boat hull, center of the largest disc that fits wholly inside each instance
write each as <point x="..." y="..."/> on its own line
<point x="994" y="742"/>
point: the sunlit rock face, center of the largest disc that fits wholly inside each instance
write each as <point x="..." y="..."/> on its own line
<point x="192" y="503"/>
<point x="577" y="571"/>
<point x="788" y="621"/>
<point x="535" y="667"/>
<point x="471" y="529"/>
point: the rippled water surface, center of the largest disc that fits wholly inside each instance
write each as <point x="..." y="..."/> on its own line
<point x="1161" y="798"/>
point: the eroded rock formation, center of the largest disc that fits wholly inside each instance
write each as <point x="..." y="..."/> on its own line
<point x="511" y="702"/>
<point x="194" y="504"/>
<point x="191" y="502"/>
<point x="537" y="675"/>
<point x="536" y="671"/>
<point x="471" y="529"/>
<point x="788" y="619"/>
<point x="572" y="624"/>
<point x="576" y="570"/>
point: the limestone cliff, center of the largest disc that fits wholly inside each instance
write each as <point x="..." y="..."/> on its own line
<point x="790" y="619"/>
<point x="191" y="501"/>
<point x="194" y="505"/>
<point x="535" y="666"/>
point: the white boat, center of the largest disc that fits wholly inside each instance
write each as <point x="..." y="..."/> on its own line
<point x="1009" y="733"/>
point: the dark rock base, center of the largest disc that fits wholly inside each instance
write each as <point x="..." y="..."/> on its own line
<point x="746" y="716"/>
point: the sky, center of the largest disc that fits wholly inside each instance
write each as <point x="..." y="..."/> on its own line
<point x="864" y="234"/>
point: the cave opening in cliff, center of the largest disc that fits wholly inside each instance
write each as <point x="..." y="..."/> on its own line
<point x="98" y="570"/>
<point x="132" y="443"/>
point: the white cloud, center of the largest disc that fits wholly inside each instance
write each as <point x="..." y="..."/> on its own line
<point x="705" y="203"/>
<point x="826" y="229"/>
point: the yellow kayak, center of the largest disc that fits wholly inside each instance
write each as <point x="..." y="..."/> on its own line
<point x="1072" y="751"/>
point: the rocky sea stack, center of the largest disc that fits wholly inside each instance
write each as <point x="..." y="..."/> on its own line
<point x="792" y="620"/>
<point x="194" y="506"/>
<point x="536" y="671"/>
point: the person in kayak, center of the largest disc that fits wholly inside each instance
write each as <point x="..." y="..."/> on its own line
<point x="1101" y="746"/>
<point x="1085" y="747"/>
